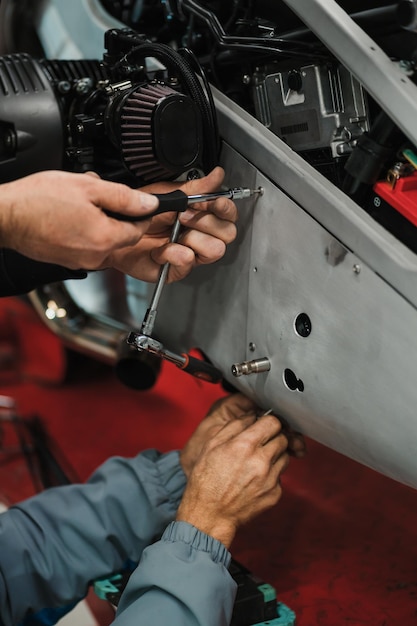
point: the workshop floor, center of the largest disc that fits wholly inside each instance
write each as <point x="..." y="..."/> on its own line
<point x="341" y="546"/>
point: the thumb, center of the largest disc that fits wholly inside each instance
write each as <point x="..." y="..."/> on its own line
<point x="122" y="199"/>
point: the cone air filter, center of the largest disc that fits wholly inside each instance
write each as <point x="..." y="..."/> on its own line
<point x="160" y="132"/>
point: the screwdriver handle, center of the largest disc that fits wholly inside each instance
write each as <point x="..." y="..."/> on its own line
<point x="176" y="201"/>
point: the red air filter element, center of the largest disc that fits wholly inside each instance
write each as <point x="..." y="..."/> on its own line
<point x="160" y="132"/>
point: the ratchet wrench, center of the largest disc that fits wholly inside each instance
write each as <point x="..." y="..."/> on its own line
<point x="236" y="193"/>
<point x="178" y="201"/>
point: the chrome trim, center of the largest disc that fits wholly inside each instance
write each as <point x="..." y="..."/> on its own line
<point x="92" y="334"/>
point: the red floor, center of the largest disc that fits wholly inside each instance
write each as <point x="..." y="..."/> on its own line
<point x="340" y="548"/>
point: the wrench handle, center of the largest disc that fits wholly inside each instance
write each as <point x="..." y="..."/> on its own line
<point x="200" y="369"/>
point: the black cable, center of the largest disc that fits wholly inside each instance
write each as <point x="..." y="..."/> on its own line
<point x="211" y="110"/>
<point x="274" y="45"/>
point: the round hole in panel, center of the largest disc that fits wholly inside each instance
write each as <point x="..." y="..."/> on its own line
<point x="292" y="381"/>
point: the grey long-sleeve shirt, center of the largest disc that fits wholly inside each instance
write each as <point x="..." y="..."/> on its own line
<point x="53" y="545"/>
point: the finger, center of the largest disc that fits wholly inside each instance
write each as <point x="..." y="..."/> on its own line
<point x="296" y="444"/>
<point x="234" y="406"/>
<point x="275" y="448"/>
<point x="194" y="249"/>
<point x="181" y="259"/>
<point x="207" y="248"/>
<point x="174" y="253"/>
<point x="280" y="465"/>
<point x="221" y="226"/>
<point x="265" y="429"/>
<point x="223" y="208"/>
<point x="275" y="473"/>
<point x="232" y="429"/>
<point x="207" y="184"/>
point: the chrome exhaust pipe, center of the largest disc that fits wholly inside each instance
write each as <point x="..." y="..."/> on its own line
<point x="95" y="335"/>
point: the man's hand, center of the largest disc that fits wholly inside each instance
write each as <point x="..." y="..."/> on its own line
<point x="207" y="229"/>
<point x="222" y="412"/>
<point x="234" y="462"/>
<point x="57" y="217"/>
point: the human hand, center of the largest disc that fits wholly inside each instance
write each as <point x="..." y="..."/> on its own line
<point x="207" y="229"/>
<point x="57" y="217"/>
<point x="223" y="411"/>
<point x="236" y="474"/>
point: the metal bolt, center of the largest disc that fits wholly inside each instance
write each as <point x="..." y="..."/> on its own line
<point x="357" y="268"/>
<point x="406" y="66"/>
<point x="83" y="86"/>
<point x="193" y="175"/>
<point x="252" y="346"/>
<point x="64" y="86"/>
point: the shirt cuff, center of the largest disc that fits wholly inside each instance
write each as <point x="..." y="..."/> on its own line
<point x="197" y="540"/>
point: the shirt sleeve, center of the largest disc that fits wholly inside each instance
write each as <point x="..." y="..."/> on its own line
<point x="182" y="580"/>
<point x="19" y="274"/>
<point x="53" y="545"/>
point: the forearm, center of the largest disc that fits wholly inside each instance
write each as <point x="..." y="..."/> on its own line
<point x="182" y="580"/>
<point x="53" y="545"/>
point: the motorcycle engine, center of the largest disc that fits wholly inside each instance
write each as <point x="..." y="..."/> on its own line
<point x="139" y="115"/>
<point x="145" y="112"/>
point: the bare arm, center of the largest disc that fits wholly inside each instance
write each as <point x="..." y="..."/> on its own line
<point x="57" y="217"/>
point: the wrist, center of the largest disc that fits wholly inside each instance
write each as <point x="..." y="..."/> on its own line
<point x="222" y="529"/>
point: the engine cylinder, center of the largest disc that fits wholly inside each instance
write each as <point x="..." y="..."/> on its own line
<point x="31" y="133"/>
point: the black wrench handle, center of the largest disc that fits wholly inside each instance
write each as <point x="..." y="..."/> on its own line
<point x="200" y="369"/>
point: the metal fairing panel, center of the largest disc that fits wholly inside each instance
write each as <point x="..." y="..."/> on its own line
<point x="356" y="367"/>
<point x="305" y="247"/>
